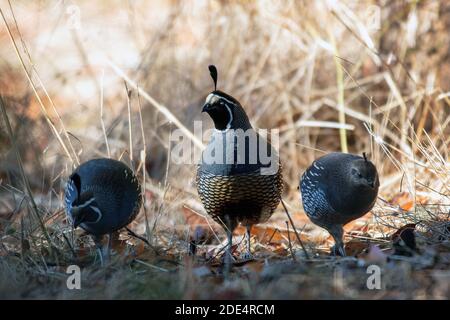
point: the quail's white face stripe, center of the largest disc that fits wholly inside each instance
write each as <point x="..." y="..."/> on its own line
<point x="99" y="214"/>
<point x="231" y="117"/>
<point x="213" y="98"/>
<point x="84" y="205"/>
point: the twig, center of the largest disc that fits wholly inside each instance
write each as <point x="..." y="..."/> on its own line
<point x="144" y="182"/>
<point x="133" y="234"/>
<point x="340" y="96"/>
<point x="130" y="129"/>
<point x="101" y="114"/>
<point x="22" y="173"/>
<point x="72" y="250"/>
<point x="33" y="86"/>
<point x="151" y="265"/>
<point x="295" y="230"/>
<point x="52" y="104"/>
<point x="273" y="234"/>
<point x="166" y="112"/>
<point x="290" y="244"/>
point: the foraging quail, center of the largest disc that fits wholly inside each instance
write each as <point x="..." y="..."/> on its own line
<point x="336" y="189"/>
<point x="102" y="196"/>
<point x="234" y="182"/>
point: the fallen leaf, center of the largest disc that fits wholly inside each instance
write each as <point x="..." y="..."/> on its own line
<point x="355" y="247"/>
<point x="406" y="201"/>
<point x="200" y="230"/>
<point x="404" y="240"/>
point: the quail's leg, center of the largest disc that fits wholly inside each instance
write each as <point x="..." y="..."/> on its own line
<point x="107" y="253"/>
<point x="228" y="255"/>
<point x="99" y="248"/>
<point x="337" y="232"/>
<point x="248" y="254"/>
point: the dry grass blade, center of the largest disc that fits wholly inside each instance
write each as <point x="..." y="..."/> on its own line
<point x="41" y="104"/>
<point x="166" y="112"/>
<point x="328" y="75"/>
<point x="25" y="182"/>
<point x="105" y="136"/>
<point x="295" y="230"/>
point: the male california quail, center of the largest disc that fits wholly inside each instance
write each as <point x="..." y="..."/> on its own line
<point x="102" y="196"/>
<point x="239" y="179"/>
<point x="336" y="189"/>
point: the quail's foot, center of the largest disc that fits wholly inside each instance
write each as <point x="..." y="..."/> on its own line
<point x="246" y="256"/>
<point x="338" y="251"/>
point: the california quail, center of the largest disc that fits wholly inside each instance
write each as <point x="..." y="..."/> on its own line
<point x="234" y="182"/>
<point x="102" y="196"/>
<point x="336" y="189"/>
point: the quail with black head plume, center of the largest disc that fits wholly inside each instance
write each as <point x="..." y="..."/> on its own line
<point x="239" y="179"/>
<point x="102" y="196"/>
<point x="336" y="189"/>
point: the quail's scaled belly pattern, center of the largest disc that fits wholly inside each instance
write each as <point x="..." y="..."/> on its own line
<point x="246" y="198"/>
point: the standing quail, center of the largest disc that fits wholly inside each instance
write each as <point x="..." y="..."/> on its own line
<point x="336" y="189"/>
<point x="234" y="182"/>
<point x="102" y="196"/>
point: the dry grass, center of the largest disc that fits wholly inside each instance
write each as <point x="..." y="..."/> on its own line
<point x="316" y="70"/>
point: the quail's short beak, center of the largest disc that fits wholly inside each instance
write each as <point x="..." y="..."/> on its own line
<point x="371" y="183"/>
<point x="76" y="222"/>
<point x="206" y="107"/>
<point x="77" y="218"/>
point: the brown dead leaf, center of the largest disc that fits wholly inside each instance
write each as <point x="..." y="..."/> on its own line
<point x="195" y="220"/>
<point x="271" y="235"/>
<point x="406" y="201"/>
<point x="200" y="230"/>
<point x="355" y="247"/>
<point x="404" y="240"/>
<point x="139" y="249"/>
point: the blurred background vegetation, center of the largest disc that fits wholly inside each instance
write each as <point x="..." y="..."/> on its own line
<point x="357" y="76"/>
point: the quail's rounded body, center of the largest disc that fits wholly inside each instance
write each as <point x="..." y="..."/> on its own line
<point x="245" y="198"/>
<point x="338" y="188"/>
<point x="102" y="196"/>
<point x="239" y="179"/>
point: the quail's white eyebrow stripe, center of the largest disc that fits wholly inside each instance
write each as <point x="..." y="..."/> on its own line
<point x="212" y="95"/>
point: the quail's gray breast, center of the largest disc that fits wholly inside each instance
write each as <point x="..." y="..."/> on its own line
<point x="329" y="195"/>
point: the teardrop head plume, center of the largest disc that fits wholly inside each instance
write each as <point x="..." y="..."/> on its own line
<point x="213" y="72"/>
